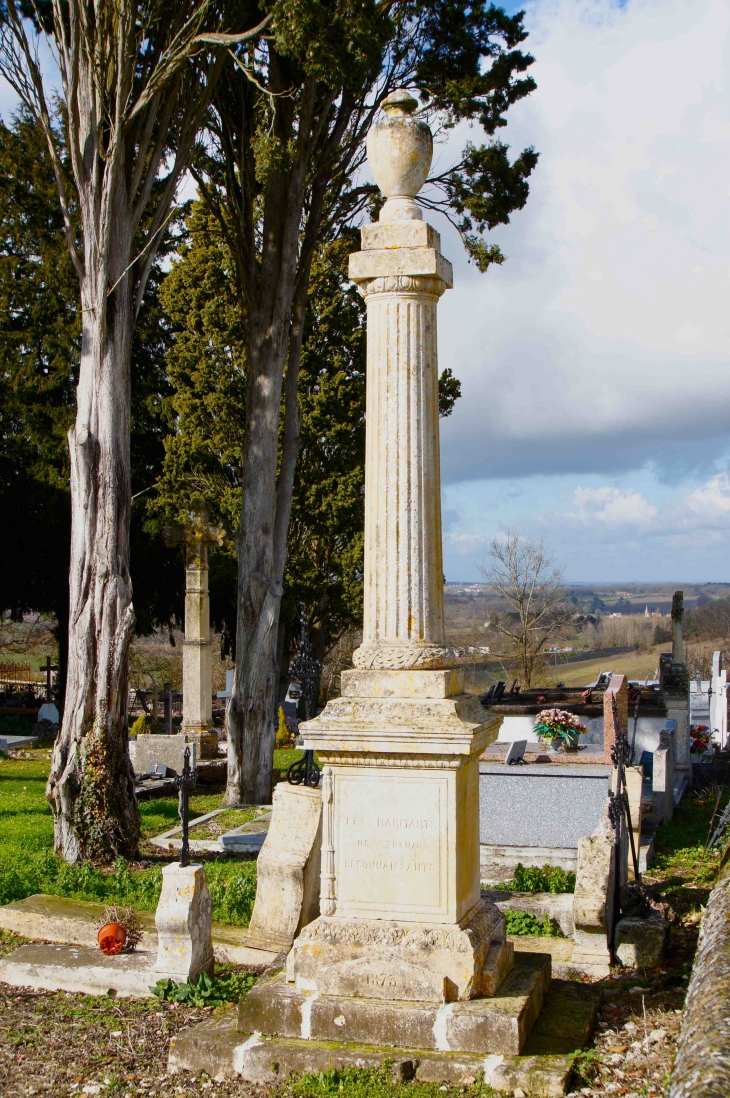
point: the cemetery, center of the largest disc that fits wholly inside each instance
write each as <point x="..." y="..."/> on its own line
<point x="357" y="862"/>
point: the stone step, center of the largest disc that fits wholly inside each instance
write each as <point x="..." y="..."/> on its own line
<point x="498" y="1024"/>
<point x="75" y="922"/>
<point x="565" y="1024"/>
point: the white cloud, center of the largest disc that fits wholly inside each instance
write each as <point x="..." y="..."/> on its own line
<point x="604" y="341"/>
<point x="613" y="506"/>
<point x="711" y="501"/>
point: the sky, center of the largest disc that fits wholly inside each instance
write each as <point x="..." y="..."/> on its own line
<point x="595" y="363"/>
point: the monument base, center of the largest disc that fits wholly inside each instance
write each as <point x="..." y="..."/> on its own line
<point x="394" y="959"/>
<point x="498" y="1024"/>
<point x="427" y="1042"/>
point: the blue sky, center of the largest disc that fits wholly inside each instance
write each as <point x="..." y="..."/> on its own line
<point x="595" y="364"/>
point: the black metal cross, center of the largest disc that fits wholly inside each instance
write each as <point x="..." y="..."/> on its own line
<point x="185" y="782"/>
<point x="308" y="670"/>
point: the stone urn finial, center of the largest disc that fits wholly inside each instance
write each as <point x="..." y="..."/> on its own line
<point x="400" y="149"/>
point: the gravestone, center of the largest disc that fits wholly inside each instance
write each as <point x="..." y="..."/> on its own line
<point x="288" y="869"/>
<point x="662" y="781"/>
<point x="184" y="920"/>
<point x="594" y="897"/>
<point x="165" y="750"/>
<point x="674" y="683"/>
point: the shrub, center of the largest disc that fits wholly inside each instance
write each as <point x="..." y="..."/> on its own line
<point x="525" y="924"/>
<point x="144" y="725"/>
<point x="532" y="878"/>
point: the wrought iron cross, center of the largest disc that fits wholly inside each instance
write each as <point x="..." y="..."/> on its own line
<point x="308" y="670"/>
<point x="185" y="782"/>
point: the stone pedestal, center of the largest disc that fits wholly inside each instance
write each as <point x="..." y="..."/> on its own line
<point x="184" y="923"/>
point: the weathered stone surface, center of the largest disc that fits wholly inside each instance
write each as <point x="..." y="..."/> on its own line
<point x="167" y="750"/>
<point x="641" y="943"/>
<point x="79" y="969"/>
<point x="216" y="1047"/>
<point x="359" y="683"/>
<point x="499" y="1024"/>
<point x="287" y="892"/>
<point x="401" y="960"/>
<point x="662" y="782"/>
<point x="184" y="922"/>
<point x="617" y="690"/>
<point x="702" y="1065"/>
<point x="593" y="900"/>
<point x="75" y="922"/>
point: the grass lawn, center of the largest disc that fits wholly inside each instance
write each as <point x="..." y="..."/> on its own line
<point x="28" y="864"/>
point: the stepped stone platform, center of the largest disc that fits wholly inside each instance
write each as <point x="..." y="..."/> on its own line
<point x="312" y="1035"/>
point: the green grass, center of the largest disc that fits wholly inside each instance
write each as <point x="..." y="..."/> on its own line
<point x="684" y="868"/>
<point x="28" y="864"/>
<point x="368" y="1083"/>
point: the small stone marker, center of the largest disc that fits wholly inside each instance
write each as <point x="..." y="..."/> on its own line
<point x="287" y="893"/>
<point x="168" y="751"/>
<point x="184" y="919"/>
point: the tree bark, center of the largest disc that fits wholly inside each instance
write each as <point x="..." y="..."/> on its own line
<point x="91" y="784"/>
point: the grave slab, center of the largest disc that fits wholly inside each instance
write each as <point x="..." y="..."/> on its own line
<point x="75" y="922"/>
<point x="79" y="969"/>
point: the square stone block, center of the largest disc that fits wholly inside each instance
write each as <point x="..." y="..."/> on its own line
<point x="402" y="684"/>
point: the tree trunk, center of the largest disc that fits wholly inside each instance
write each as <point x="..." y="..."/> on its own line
<point x="251" y="732"/>
<point x="91" y="784"/>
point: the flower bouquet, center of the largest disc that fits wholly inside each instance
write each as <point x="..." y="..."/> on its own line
<point x="700" y="734"/>
<point x="559" y="728"/>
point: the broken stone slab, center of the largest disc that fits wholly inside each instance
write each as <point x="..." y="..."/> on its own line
<point x="75" y="922"/>
<point x="496" y="1024"/>
<point x="79" y="969"/>
<point x="641" y="943"/>
<point x="288" y="869"/>
<point x="216" y="1047"/>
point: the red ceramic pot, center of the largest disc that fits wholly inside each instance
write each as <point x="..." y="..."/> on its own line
<point x="111" y="938"/>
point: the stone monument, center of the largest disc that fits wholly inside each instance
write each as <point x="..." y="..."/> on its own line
<point x="197" y="535"/>
<point x="405" y="951"/>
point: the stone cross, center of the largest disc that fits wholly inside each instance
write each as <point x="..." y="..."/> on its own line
<point x="197" y="535"/>
<point x="677" y="615"/>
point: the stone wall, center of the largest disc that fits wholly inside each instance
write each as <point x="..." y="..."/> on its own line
<point x="702" y="1066"/>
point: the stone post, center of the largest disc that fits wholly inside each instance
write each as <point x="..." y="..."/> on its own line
<point x="184" y="925"/>
<point x="196" y="535"/>
<point x="662" y="783"/>
<point x="197" y="655"/>
<point x="674" y="683"/>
